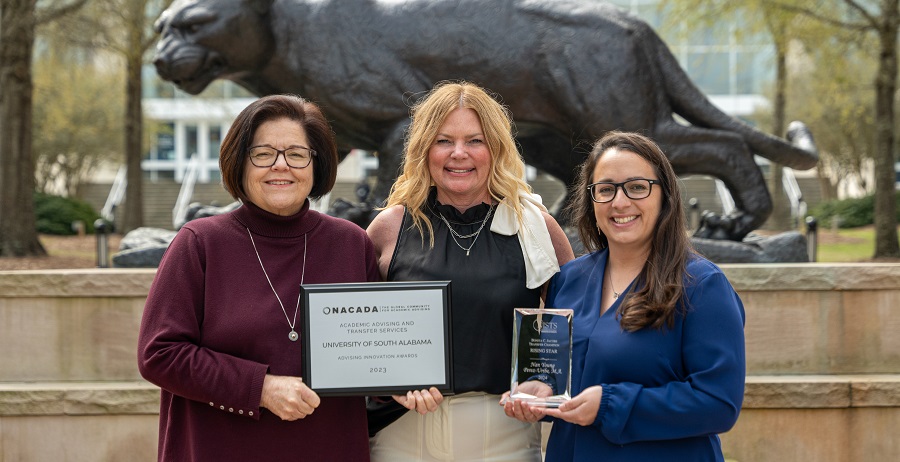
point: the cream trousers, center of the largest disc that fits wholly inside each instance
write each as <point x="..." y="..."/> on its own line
<point x="470" y="426"/>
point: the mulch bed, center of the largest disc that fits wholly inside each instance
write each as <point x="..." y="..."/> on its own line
<point x="64" y="252"/>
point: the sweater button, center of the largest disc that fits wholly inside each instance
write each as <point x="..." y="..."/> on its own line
<point x="241" y="411"/>
<point x="250" y="413"/>
<point x="211" y="403"/>
<point x="222" y="407"/>
<point x="230" y="409"/>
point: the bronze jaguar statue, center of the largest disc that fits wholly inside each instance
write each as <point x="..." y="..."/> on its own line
<point x="568" y="70"/>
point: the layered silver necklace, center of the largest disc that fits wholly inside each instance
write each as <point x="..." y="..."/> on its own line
<point x="293" y="335"/>
<point x="455" y="235"/>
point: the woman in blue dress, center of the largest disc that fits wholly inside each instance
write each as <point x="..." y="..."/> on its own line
<point x="658" y="343"/>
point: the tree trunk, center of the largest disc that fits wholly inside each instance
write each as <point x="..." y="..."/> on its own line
<point x="886" y="244"/>
<point x="826" y="188"/>
<point x="134" y="204"/>
<point x="18" y="231"/>
<point x="781" y="217"/>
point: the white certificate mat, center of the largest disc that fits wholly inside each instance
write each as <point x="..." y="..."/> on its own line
<point x="377" y="338"/>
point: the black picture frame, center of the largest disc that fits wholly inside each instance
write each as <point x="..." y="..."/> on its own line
<point x="377" y="338"/>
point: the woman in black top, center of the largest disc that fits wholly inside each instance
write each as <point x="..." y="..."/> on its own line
<point x="461" y="211"/>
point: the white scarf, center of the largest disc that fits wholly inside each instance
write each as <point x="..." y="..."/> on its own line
<point x="537" y="247"/>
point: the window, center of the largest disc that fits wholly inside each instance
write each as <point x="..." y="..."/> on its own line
<point x="754" y="70"/>
<point x="710" y="71"/>
<point x="165" y="143"/>
<point x="215" y="141"/>
<point x="190" y="141"/>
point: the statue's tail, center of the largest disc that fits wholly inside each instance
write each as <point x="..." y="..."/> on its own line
<point x="798" y="151"/>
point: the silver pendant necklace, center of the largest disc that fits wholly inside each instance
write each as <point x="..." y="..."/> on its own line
<point x="454" y="234"/>
<point x="609" y="276"/>
<point x="293" y="335"/>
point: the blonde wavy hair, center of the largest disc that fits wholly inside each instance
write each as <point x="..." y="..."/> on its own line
<point x="507" y="173"/>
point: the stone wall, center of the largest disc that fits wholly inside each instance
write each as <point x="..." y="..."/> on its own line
<point x="823" y="363"/>
<point x="69" y="385"/>
<point x="823" y="358"/>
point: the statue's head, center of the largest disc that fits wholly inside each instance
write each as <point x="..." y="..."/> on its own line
<point x="202" y="40"/>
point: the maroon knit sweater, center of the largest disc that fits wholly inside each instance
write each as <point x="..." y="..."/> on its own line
<point x="212" y="329"/>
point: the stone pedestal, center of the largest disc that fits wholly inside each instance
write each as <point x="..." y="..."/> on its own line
<point x="823" y="362"/>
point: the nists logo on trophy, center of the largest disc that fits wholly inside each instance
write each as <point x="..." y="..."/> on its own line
<point x="546" y="326"/>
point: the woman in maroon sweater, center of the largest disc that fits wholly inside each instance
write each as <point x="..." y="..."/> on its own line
<point x="219" y="333"/>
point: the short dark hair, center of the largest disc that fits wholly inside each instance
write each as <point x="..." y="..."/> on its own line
<point x="236" y="145"/>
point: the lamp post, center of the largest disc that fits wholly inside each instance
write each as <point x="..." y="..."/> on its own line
<point x="102" y="229"/>
<point x="812" y="238"/>
<point x="694" y="213"/>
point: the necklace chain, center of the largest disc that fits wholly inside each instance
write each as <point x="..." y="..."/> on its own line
<point x="293" y="334"/>
<point x="454" y="234"/>
<point x="609" y="276"/>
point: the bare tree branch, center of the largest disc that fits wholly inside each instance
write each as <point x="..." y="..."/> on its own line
<point x="47" y="14"/>
<point x="854" y="26"/>
<point x="873" y="20"/>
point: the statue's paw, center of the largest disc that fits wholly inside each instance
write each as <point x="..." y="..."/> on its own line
<point x="732" y="227"/>
<point x="787" y="247"/>
<point x="799" y="135"/>
<point x="361" y="213"/>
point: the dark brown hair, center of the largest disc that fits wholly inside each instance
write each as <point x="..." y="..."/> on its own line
<point x="660" y="285"/>
<point x="235" y="147"/>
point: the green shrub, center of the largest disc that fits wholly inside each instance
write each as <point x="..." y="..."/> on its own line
<point x="853" y="212"/>
<point x="56" y="214"/>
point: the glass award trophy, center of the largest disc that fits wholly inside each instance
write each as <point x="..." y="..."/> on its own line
<point x="542" y="356"/>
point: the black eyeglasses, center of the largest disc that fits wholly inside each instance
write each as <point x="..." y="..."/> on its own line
<point x="296" y="157"/>
<point x="604" y="191"/>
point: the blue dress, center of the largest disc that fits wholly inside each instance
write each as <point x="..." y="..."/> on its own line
<point x="666" y="394"/>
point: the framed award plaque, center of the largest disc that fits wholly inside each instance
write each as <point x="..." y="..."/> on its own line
<point x="377" y="338"/>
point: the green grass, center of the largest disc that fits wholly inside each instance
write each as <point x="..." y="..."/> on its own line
<point x="847" y="245"/>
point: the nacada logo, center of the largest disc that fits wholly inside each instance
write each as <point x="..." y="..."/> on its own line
<point x="350" y="309"/>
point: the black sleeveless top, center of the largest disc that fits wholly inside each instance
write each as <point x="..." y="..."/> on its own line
<point x="486" y="286"/>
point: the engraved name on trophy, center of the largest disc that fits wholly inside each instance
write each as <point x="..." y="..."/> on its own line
<point x="542" y="356"/>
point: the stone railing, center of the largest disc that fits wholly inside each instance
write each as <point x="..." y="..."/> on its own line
<point x="69" y="385"/>
<point x="823" y="362"/>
